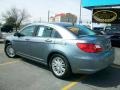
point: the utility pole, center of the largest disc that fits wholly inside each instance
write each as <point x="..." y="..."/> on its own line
<point x="80" y="20"/>
<point x="92" y="21"/>
<point x="40" y="20"/>
<point x="48" y="15"/>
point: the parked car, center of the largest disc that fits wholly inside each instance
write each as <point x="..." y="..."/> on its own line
<point x="5" y="34"/>
<point x="65" y="48"/>
<point x="99" y="30"/>
<point x="114" y="34"/>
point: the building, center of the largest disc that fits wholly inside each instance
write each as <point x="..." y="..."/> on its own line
<point x="51" y="19"/>
<point x="64" y="17"/>
<point x="104" y="12"/>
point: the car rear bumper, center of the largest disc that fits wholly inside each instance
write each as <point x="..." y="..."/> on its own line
<point x="89" y="65"/>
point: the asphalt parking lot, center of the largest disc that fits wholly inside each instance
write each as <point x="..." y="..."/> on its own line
<point x="22" y="74"/>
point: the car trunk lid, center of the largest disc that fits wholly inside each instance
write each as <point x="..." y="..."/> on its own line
<point x="101" y="40"/>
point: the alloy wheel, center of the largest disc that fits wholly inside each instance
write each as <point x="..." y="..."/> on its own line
<point x="10" y="51"/>
<point x="58" y="66"/>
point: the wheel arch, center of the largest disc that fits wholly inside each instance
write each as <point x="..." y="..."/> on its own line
<point x="8" y="42"/>
<point x="56" y="52"/>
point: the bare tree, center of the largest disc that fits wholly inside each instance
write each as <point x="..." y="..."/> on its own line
<point x="15" y="17"/>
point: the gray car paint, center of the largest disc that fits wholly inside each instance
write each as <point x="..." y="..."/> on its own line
<point x="39" y="48"/>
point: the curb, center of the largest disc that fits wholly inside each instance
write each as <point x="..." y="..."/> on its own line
<point x="116" y="66"/>
<point x="1" y="40"/>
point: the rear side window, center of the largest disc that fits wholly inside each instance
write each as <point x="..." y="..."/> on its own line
<point x="55" y="34"/>
<point x="45" y="31"/>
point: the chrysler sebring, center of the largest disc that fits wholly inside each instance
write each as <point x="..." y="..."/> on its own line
<point x="65" y="48"/>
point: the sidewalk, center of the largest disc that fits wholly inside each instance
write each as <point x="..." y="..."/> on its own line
<point x="117" y="56"/>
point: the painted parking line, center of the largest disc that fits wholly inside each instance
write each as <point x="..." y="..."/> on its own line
<point x="115" y="66"/>
<point x="72" y="84"/>
<point x="7" y="63"/>
<point x="1" y="49"/>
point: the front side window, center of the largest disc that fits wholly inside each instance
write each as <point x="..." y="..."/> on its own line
<point x="28" y="31"/>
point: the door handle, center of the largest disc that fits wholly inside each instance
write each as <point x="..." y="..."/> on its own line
<point x="48" y="40"/>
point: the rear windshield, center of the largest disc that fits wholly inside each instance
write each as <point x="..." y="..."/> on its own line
<point x="80" y="30"/>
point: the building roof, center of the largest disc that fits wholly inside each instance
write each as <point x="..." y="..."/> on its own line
<point x="99" y="3"/>
<point x="61" y="14"/>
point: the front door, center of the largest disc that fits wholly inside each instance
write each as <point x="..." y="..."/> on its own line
<point x="22" y="43"/>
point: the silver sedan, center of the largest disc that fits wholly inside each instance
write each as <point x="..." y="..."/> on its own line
<point x="65" y="48"/>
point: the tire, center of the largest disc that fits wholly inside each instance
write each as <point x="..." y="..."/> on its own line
<point x="60" y="66"/>
<point x="9" y="51"/>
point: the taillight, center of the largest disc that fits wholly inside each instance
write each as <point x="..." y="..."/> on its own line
<point x="89" y="48"/>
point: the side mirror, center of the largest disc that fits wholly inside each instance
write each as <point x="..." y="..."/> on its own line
<point x="18" y="34"/>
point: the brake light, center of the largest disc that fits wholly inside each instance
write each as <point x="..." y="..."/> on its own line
<point x="89" y="48"/>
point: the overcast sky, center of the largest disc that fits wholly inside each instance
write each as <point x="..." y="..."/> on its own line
<point x="39" y="8"/>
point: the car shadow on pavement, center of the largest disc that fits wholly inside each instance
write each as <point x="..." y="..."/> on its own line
<point x="73" y="77"/>
<point x="109" y="77"/>
<point x="36" y="64"/>
<point x="116" y="46"/>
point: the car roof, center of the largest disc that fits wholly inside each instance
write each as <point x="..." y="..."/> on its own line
<point x="59" y="27"/>
<point x="63" y="24"/>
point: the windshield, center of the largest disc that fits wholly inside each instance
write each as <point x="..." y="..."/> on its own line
<point x="80" y="30"/>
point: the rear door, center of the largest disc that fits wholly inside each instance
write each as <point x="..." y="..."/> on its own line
<point x="43" y="43"/>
